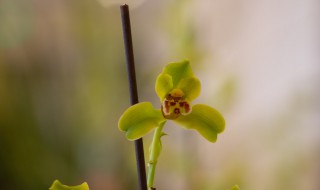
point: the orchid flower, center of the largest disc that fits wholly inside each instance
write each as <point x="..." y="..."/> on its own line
<point x="176" y="87"/>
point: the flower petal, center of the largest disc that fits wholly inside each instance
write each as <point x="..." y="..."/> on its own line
<point x="191" y="87"/>
<point x="178" y="75"/>
<point x="140" y="119"/>
<point x="163" y="85"/>
<point x="178" y="71"/>
<point x="206" y="120"/>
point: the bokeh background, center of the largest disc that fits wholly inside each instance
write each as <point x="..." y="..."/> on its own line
<point x="63" y="86"/>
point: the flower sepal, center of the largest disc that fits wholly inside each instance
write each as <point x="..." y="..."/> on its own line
<point x="140" y="119"/>
<point x="204" y="119"/>
<point x="178" y="75"/>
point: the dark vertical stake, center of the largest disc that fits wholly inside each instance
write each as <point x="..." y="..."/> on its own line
<point x="133" y="90"/>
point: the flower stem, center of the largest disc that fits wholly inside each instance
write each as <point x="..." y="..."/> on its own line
<point x="155" y="150"/>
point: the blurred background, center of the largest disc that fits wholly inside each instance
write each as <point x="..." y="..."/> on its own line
<point x="63" y="86"/>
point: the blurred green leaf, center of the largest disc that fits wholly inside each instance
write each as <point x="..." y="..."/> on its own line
<point x="236" y="187"/>
<point x="57" y="185"/>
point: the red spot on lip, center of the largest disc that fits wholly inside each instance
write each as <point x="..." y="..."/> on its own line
<point x="187" y="107"/>
<point x="176" y="99"/>
<point x="166" y="106"/>
<point x="169" y="97"/>
<point x="172" y="103"/>
<point x="177" y="111"/>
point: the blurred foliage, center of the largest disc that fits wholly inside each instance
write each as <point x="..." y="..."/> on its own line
<point x="57" y="185"/>
<point x="63" y="87"/>
<point x="59" y="99"/>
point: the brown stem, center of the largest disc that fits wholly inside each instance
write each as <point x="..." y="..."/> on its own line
<point x="126" y="28"/>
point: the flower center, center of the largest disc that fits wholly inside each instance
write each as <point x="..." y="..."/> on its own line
<point x="174" y="105"/>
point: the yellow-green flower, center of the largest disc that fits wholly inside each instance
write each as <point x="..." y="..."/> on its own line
<point x="176" y="87"/>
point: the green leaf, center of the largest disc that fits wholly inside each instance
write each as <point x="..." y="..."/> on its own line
<point x="163" y="85"/>
<point x="191" y="87"/>
<point x="140" y="119"/>
<point x="205" y="119"/>
<point x="57" y="185"/>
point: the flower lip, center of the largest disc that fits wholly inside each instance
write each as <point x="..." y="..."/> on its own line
<point x="175" y="105"/>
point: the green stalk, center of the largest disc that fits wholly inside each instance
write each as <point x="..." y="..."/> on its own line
<point x="155" y="150"/>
